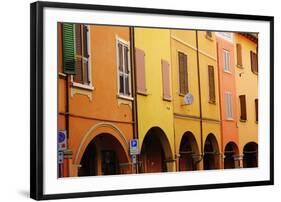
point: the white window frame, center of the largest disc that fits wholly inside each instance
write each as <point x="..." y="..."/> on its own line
<point x="226" y="61"/>
<point x="80" y="85"/>
<point x="127" y="44"/>
<point x="226" y="35"/>
<point x="229" y="106"/>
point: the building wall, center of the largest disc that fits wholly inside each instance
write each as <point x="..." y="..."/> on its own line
<point x="210" y="110"/>
<point x="227" y="84"/>
<point x="247" y="84"/>
<point x="153" y="111"/>
<point x="97" y="110"/>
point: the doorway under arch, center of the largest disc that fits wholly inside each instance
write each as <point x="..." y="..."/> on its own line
<point x="189" y="153"/>
<point x="250" y="155"/>
<point x="156" y="152"/>
<point x="211" y="158"/>
<point x="104" y="155"/>
<point x="230" y="151"/>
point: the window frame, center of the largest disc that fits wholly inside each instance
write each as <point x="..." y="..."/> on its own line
<point x="186" y="76"/>
<point x="226" y="52"/>
<point x="77" y="84"/>
<point x="227" y="93"/>
<point x="127" y="44"/>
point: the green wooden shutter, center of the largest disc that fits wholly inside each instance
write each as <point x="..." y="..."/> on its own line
<point x="68" y="48"/>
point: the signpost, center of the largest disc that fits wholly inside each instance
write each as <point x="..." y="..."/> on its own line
<point x="62" y="143"/>
<point x="134" y="151"/>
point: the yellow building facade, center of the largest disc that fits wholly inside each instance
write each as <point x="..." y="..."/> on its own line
<point x="247" y="98"/>
<point x="154" y="107"/>
<point x="196" y="124"/>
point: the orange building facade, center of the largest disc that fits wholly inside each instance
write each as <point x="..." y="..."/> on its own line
<point x="96" y="109"/>
<point x="228" y="107"/>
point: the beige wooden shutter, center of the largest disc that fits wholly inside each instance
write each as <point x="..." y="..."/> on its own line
<point x="243" y="109"/>
<point x="140" y="67"/>
<point x="166" y="80"/>
<point x="239" y="54"/>
<point x="212" y="95"/>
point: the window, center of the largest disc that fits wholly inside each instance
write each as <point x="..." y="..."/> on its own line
<point x="183" y="75"/>
<point x="209" y="34"/>
<point x="140" y="69"/>
<point x="257" y="109"/>
<point x="212" y="93"/>
<point x="228" y="102"/>
<point x="226" y="61"/>
<point x="166" y="80"/>
<point x="82" y="55"/>
<point x="239" y="55"/>
<point x="124" y="75"/>
<point x="243" y="108"/>
<point x="254" y="62"/>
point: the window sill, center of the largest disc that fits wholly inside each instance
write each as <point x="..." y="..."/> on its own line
<point x="209" y="37"/>
<point x="124" y="97"/>
<point x="229" y="119"/>
<point x="167" y="99"/>
<point x="244" y="121"/>
<point x="256" y="73"/>
<point x="239" y="66"/>
<point x="82" y="86"/>
<point x="212" y="102"/>
<point x="228" y="72"/>
<point x="142" y="93"/>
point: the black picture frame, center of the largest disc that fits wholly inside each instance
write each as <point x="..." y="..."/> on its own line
<point x="36" y="99"/>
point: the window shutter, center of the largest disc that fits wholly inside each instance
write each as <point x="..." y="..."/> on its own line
<point x="209" y="34"/>
<point x="120" y="57"/>
<point x="243" y="109"/>
<point x="257" y="109"/>
<point x="212" y="93"/>
<point x="78" y="47"/>
<point x="140" y="67"/>
<point x="228" y="100"/>
<point x="183" y="77"/>
<point x="68" y="48"/>
<point x="239" y="54"/>
<point x="166" y="80"/>
<point x="254" y="62"/>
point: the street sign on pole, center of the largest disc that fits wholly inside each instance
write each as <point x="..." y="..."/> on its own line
<point x="62" y="140"/>
<point x="134" y="147"/>
<point x="60" y="157"/>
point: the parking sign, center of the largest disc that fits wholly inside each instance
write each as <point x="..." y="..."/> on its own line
<point x="134" y="147"/>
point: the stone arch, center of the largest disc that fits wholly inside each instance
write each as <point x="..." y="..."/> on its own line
<point x="250" y="155"/>
<point x="189" y="152"/>
<point x="211" y="159"/>
<point x="100" y="128"/>
<point x="231" y="153"/>
<point x="156" y="153"/>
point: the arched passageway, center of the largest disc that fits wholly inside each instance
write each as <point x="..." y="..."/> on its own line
<point x="250" y="155"/>
<point x="211" y="153"/>
<point x="230" y="151"/>
<point x="189" y="153"/>
<point x="104" y="155"/>
<point x="156" y="152"/>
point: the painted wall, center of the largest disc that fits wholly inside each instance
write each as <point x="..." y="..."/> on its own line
<point x="153" y="111"/>
<point x="98" y="110"/>
<point x="248" y="131"/>
<point x="227" y="84"/>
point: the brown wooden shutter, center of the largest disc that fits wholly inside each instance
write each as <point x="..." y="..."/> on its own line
<point x="120" y="57"/>
<point x="212" y="93"/>
<point x="183" y="77"/>
<point x="209" y="34"/>
<point x="166" y="80"/>
<point x="257" y="109"/>
<point x="243" y="109"/>
<point x="239" y="54"/>
<point x="140" y="67"/>
<point x="254" y="62"/>
<point x="78" y="47"/>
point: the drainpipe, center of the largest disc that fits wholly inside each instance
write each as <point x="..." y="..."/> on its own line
<point x="134" y="89"/>
<point x="200" y="101"/>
